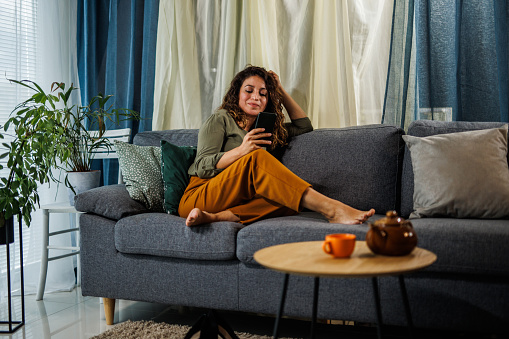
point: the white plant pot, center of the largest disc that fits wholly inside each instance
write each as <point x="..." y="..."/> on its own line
<point x="81" y="182"/>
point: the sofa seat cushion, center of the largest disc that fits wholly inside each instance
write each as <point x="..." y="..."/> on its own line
<point x="465" y="245"/>
<point x="166" y="235"/>
<point x="306" y="226"/>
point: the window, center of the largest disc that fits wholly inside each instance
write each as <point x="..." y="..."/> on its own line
<point x="18" y="41"/>
<point x="37" y="42"/>
<point x="18" y="51"/>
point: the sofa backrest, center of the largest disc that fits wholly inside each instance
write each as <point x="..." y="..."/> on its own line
<point x="179" y="137"/>
<point x="359" y="166"/>
<point x="424" y="128"/>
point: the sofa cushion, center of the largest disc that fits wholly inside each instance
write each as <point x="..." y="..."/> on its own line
<point x="112" y="202"/>
<point x="447" y="169"/>
<point x="424" y="128"/>
<point x="474" y="246"/>
<point x="359" y="166"/>
<point x="166" y="235"/>
<point x="306" y="226"/>
<point x="174" y="165"/>
<point x="141" y="170"/>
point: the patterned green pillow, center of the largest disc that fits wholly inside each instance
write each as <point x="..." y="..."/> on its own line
<point x="141" y="170"/>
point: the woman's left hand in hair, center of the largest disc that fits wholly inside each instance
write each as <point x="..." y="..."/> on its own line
<point x="293" y="109"/>
<point x="276" y="77"/>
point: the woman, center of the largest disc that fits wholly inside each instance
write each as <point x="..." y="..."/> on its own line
<point x="233" y="177"/>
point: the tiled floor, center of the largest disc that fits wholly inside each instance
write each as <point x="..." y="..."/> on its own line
<point x="69" y="315"/>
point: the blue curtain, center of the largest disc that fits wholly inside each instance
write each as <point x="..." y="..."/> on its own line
<point x="454" y="56"/>
<point x="116" y="55"/>
<point x="400" y="92"/>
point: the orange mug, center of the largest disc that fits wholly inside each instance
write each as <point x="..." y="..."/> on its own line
<point x="339" y="245"/>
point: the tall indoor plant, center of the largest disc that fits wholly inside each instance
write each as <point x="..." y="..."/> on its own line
<point x="48" y="133"/>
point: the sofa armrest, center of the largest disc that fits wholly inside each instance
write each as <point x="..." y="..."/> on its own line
<point x="112" y="202"/>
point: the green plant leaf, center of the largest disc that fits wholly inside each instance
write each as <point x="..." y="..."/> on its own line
<point x="23" y="83"/>
<point x="39" y="97"/>
<point x="47" y="136"/>
<point x="15" y="185"/>
<point x="68" y="93"/>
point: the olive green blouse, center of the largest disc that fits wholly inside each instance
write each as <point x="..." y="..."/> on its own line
<point x="220" y="134"/>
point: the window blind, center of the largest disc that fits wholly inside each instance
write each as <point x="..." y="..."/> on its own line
<point x="18" y="50"/>
<point x="18" y="60"/>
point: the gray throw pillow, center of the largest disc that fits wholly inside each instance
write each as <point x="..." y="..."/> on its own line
<point x="141" y="170"/>
<point x="462" y="175"/>
<point x="112" y="202"/>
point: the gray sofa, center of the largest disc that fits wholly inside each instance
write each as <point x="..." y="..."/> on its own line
<point x="130" y="253"/>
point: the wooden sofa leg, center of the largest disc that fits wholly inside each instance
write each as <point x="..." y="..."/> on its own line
<point x="109" y="310"/>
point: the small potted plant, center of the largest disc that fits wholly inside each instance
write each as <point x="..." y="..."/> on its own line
<point x="49" y="134"/>
<point x="82" y="144"/>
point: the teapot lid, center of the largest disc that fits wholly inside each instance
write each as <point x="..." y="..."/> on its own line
<point x="391" y="219"/>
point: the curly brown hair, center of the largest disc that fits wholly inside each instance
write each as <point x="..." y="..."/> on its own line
<point x="274" y="101"/>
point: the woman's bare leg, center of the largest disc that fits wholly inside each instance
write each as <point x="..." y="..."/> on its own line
<point x="335" y="211"/>
<point x="197" y="217"/>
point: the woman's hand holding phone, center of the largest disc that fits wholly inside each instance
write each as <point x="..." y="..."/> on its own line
<point x="258" y="137"/>
<point x="254" y="140"/>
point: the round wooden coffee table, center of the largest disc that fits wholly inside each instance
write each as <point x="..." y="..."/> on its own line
<point x="308" y="258"/>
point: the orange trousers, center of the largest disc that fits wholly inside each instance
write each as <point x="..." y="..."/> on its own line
<point x="254" y="187"/>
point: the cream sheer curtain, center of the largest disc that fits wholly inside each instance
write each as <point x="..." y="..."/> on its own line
<point x="331" y="56"/>
<point x="57" y="61"/>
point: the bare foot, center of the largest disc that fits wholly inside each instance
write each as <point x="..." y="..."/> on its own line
<point x="350" y="216"/>
<point x="335" y="211"/>
<point x="198" y="217"/>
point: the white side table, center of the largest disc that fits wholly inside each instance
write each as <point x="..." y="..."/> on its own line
<point x="75" y="250"/>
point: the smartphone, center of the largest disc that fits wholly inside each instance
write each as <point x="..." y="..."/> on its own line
<point x="266" y="120"/>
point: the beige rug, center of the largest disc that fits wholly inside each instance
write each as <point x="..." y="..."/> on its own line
<point x="152" y="330"/>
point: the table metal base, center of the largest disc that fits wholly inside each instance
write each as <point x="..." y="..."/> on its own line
<point x="376" y="296"/>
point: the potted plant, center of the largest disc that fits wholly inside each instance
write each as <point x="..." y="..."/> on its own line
<point x="82" y="144"/>
<point x="49" y="134"/>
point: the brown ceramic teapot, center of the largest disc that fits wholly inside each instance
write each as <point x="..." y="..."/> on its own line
<point x="391" y="235"/>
